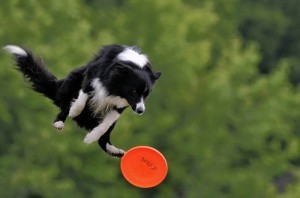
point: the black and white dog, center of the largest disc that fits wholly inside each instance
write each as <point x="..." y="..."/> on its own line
<point x="96" y="94"/>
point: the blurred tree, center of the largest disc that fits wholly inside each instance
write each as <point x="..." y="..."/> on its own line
<point x="275" y="26"/>
<point x="35" y="160"/>
<point x="225" y="129"/>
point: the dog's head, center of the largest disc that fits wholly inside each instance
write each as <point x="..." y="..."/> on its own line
<point x="132" y="78"/>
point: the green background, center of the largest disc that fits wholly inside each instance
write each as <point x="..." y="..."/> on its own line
<point x="225" y="112"/>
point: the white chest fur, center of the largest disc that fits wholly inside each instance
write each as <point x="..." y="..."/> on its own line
<point x="101" y="102"/>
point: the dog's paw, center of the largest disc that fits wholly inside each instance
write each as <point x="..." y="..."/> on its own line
<point x="113" y="151"/>
<point x="59" y="125"/>
<point x="90" y="138"/>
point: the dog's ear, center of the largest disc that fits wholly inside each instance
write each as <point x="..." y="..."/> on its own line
<point x="153" y="74"/>
<point x="156" y="75"/>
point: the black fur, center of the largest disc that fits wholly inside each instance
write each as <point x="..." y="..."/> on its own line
<point x="120" y="79"/>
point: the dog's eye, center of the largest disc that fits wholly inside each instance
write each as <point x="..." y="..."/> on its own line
<point x="146" y="92"/>
<point x="134" y="92"/>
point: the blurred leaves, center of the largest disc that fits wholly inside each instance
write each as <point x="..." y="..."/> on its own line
<point x="226" y="128"/>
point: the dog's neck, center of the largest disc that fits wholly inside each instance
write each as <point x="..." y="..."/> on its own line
<point x="101" y="102"/>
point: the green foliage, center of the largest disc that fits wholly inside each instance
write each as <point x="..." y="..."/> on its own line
<point x="225" y="129"/>
<point x="275" y="27"/>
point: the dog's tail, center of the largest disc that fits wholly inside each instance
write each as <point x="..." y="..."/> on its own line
<point x="34" y="70"/>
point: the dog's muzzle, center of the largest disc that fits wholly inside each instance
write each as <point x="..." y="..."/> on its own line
<point x="140" y="108"/>
<point x="140" y="111"/>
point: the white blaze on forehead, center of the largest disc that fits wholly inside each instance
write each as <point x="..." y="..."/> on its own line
<point x="131" y="55"/>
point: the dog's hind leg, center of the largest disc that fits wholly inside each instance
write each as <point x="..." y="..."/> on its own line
<point x="60" y="119"/>
<point x="106" y="145"/>
<point x="69" y="88"/>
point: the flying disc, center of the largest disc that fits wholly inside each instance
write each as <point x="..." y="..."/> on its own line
<point x="144" y="166"/>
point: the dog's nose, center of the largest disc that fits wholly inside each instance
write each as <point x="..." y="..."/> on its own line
<point x="140" y="107"/>
<point x="140" y="111"/>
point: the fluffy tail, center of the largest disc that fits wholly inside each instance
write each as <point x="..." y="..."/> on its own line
<point x="34" y="70"/>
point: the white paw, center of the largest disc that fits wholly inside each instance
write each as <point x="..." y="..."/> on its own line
<point x="90" y="138"/>
<point x="59" y="125"/>
<point x="112" y="150"/>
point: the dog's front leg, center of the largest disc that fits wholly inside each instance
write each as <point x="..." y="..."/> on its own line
<point x="78" y="105"/>
<point x="109" y="119"/>
<point x="107" y="146"/>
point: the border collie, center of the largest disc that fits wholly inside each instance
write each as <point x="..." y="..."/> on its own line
<point x="96" y="94"/>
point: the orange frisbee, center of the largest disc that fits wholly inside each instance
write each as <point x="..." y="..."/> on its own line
<point x="144" y="166"/>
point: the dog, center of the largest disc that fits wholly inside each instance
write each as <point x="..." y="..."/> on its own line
<point x="96" y="94"/>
